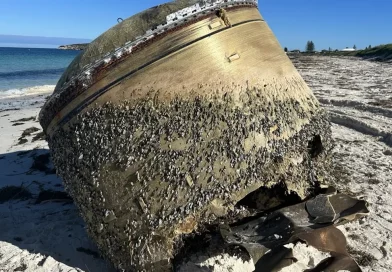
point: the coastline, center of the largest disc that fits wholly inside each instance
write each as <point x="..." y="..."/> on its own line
<point x="17" y="99"/>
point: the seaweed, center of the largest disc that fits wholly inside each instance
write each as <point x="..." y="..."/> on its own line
<point x="24" y="120"/>
<point x="38" y="137"/>
<point x="25" y="133"/>
<point x="18" y="124"/>
<point x="29" y="131"/>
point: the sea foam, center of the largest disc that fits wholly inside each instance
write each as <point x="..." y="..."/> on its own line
<point x="44" y="89"/>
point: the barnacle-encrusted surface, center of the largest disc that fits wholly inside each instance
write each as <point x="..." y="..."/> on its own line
<point x="145" y="173"/>
<point x="156" y="143"/>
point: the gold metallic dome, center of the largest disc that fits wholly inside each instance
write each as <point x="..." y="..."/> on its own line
<point x="170" y="118"/>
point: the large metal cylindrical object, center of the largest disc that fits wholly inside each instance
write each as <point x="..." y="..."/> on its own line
<point x="171" y="117"/>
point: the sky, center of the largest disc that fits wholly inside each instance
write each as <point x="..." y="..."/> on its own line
<point x="328" y="23"/>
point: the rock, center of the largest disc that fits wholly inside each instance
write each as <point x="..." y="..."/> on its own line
<point x="388" y="152"/>
<point x="81" y="46"/>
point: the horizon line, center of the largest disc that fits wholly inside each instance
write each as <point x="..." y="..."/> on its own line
<point x="38" y="46"/>
<point x="17" y="35"/>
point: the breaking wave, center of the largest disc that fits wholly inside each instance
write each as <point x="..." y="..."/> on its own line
<point x="44" y="89"/>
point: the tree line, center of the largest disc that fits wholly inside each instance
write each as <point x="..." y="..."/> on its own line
<point x="310" y="47"/>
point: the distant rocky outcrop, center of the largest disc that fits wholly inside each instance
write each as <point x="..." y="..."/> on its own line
<point x="79" y="46"/>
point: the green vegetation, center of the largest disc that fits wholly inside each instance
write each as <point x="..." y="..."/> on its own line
<point x="382" y="52"/>
<point x="379" y="53"/>
<point x="310" y="47"/>
<point x="78" y="46"/>
<point x="339" y="53"/>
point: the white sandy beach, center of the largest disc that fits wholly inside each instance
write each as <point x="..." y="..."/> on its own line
<point x="358" y="95"/>
<point x="50" y="235"/>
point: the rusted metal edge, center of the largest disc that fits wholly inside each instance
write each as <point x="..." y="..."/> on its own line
<point x="93" y="73"/>
<point x="106" y="88"/>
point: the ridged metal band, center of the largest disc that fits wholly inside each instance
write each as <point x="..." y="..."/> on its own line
<point x="77" y="97"/>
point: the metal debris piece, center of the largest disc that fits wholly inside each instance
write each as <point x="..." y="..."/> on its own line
<point x="332" y="208"/>
<point x="234" y="57"/>
<point x="311" y="222"/>
<point x="321" y="209"/>
<point x="332" y="240"/>
<point x="189" y="180"/>
<point x="276" y="259"/>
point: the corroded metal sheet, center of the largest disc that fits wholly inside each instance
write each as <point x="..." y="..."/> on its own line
<point x="168" y="132"/>
<point x="264" y="237"/>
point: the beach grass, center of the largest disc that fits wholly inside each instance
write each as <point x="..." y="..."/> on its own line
<point x="380" y="52"/>
<point x="383" y="51"/>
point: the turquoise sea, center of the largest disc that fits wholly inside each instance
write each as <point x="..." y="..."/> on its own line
<point x="22" y="68"/>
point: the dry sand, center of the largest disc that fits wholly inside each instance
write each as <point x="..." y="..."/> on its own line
<point x="358" y="95"/>
<point x="50" y="236"/>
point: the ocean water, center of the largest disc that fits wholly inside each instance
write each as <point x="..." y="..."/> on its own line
<point x="24" y="68"/>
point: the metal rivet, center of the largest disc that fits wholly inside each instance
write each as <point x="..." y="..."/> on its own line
<point x="234" y="57"/>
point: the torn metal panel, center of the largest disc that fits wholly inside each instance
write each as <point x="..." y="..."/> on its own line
<point x="311" y="222"/>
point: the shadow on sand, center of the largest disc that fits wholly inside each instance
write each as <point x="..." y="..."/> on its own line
<point x="37" y="216"/>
